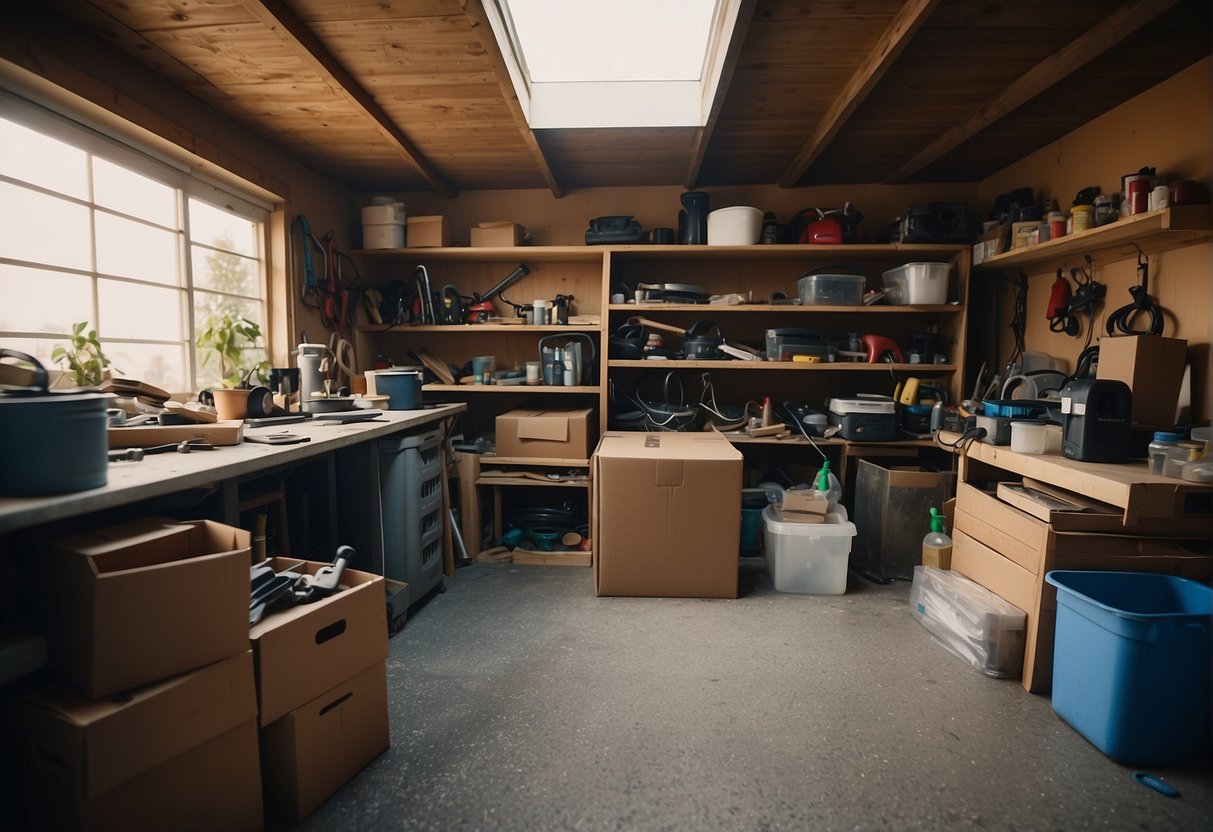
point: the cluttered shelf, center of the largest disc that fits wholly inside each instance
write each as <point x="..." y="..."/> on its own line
<point x="1129" y="486"/>
<point x="463" y="329"/>
<point x="783" y="366"/>
<point x="838" y="253"/>
<point x="485" y="254"/>
<point x="509" y="388"/>
<point x="724" y="309"/>
<point x="1152" y="232"/>
<point x="745" y="439"/>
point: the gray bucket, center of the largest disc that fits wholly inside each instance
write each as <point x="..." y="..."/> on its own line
<point x="51" y="443"/>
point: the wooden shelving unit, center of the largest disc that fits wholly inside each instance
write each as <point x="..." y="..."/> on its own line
<point x="1152" y="232"/>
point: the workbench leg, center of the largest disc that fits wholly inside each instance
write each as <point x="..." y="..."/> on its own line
<point x="230" y="496"/>
<point x="448" y="539"/>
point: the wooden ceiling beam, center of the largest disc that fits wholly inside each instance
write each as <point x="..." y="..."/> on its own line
<point x="279" y="18"/>
<point x="1097" y="40"/>
<point x="699" y="149"/>
<point x="889" y="46"/>
<point x="479" y="21"/>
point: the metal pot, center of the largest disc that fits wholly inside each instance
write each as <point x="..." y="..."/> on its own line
<point x="53" y="443"/>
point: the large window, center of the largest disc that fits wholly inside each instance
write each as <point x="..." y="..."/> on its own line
<point x="144" y="251"/>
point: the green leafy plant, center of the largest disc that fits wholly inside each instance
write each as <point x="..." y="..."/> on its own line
<point x="228" y="339"/>
<point x="82" y="358"/>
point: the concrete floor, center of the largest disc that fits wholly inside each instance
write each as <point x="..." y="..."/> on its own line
<point x="519" y="700"/>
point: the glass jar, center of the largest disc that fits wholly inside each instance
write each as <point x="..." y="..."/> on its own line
<point x="1164" y="445"/>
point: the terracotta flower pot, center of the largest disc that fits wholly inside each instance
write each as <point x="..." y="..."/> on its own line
<point x="231" y="403"/>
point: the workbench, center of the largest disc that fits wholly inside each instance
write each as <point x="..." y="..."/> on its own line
<point x="155" y="477"/>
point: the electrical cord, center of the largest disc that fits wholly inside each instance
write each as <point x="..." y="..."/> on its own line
<point x="1019" y="318"/>
<point x="1122" y="319"/>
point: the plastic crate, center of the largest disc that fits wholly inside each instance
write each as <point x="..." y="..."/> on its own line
<point x="831" y="289"/>
<point x="917" y="283"/>
<point x="1131" y="663"/>
<point x="809" y="558"/>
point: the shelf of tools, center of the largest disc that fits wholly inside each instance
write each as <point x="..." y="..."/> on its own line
<point x="798" y="326"/>
<point x="467" y="317"/>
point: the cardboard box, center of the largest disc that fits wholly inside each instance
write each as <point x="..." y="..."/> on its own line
<point x="893" y="514"/>
<point x="1009" y="551"/>
<point x="316" y="748"/>
<point x="303" y="651"/>
<point x="180" y="754"/>
<point x="489" y="234"/>
<point x="666" y="515"/>
<point x="427" y="232"/>
<point x="548" y="434"/>
<point x="144" y="600"/>
<point x="1153" y="367"/>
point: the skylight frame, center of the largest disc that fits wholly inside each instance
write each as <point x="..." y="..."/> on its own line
<point x="615" y="103"/>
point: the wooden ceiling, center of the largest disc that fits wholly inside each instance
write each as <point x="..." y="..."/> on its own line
<point x="412" y="95"/>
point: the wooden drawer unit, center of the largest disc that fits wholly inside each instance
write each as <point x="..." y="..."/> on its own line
<point x="1009" y="551"/>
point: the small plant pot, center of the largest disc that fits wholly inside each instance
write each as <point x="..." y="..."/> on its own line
<point x="231" y="403"/>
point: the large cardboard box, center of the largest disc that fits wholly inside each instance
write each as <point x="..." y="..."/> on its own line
<point x="179" y="754"/>
<point x="303" y="651"/>
<point x="129" y="604"/>
<point x="312" y="751"/>
<point x="551" y="434"/>
<point x="1153" y="367"/>
<point x="667" y="515"/>
<point x="489" y="234"/>
<point x="427" y="232"/>
<point x="1008" y="551"/>
<point x="892" y="515"/>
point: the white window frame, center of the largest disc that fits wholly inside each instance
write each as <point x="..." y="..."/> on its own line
<point x="187" y="184"/>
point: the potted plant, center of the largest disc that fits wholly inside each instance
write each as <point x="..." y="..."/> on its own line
<point x="228" y="339"/>
<point x="82" y="358"/>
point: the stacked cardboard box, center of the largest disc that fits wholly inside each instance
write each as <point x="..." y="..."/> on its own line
<point x="1009" y="551"/>
<point x="321" y="690"/>
<point x="153" y="724"/>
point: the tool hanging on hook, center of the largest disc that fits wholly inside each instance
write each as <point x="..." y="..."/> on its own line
<point x="1121" y="321"/>
<point x="1064" y="318"/>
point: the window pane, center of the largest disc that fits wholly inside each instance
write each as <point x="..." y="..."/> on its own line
<point x="133" y="310"/>
<point x="42" y="301"/>
<point x="225" y="272"/>
<point x="132" y="193"/>
<point x="43" y="161"/>
<point x="160" y="364"/>
<point x="221" y="229"/>
<point x="208" y="306"/>
<point x="39" y="348"/>
<point x="42" y="228"/>
<point x="132" y="249"/>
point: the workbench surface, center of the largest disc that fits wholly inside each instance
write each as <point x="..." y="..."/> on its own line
<point x="166" y="473"/>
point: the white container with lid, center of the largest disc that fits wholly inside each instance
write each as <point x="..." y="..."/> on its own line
<point x="739" y="225"/>
<point x="917" y="284"/>
<point x="1029" y="437"/>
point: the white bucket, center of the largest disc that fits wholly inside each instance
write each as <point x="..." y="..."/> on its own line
<point x="391" y="213"/>
<point x="736" y="226"/>
<point x="383" y="236"/>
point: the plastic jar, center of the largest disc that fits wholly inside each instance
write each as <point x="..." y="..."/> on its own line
<point x="1164" y="445"/>
<point x="1029" y="437"/>
<point x="1186" y="451"/>
<point x="1082" y="217"/>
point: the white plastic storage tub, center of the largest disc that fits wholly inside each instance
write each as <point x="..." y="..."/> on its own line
<point x="917" y="283"/>
<point x="809" y="558"/>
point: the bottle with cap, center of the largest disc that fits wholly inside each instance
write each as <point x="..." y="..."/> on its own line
<point x="828" y="485"/>
<point x="937" y="546"/>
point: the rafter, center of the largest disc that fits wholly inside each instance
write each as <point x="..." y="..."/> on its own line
<point x="474" y="10"/>
<point x="745" y="13"/>
<point x="888" y="48"/>
<point x="1097" y="40"/>
<point x="279" y="18"/>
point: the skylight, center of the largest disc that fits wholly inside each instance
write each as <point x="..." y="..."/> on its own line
<point x="626" y="63"/>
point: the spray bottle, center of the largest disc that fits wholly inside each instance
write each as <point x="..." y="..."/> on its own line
<point x="828" y="485"/>
<point x="937" y="546"/>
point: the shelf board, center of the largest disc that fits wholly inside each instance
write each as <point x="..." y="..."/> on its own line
<point x="1154" y="231"/>
<point x="743" y="439"/>
<point x="831" y="253"/>
<point x="463" y="330"/>
<point x="539" y="462"/>
<point x="783" y="366"/>
<point x="531" y="557"/>
<point x="523" y="254"/>
<point x="540" y="389"/>
<point x="525" y="482"/>
<point x="767" y="308"/>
